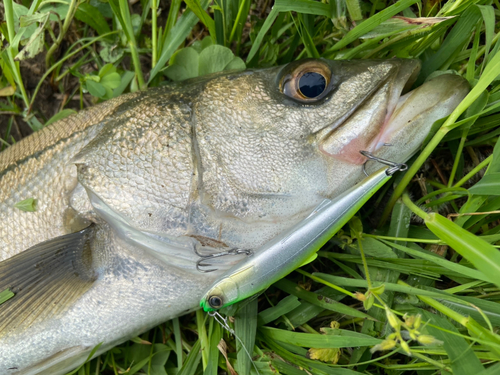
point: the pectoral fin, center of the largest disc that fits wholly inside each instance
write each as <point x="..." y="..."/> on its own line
<point x="59" y="363"/>
<point x="46" y="279"/>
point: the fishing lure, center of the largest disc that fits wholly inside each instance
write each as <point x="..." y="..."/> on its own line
<point x="297" y="246"/>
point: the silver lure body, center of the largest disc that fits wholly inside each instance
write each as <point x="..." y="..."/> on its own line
<point x="290" y="250"/>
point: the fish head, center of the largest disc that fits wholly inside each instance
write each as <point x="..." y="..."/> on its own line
<point x="274" y="142"/>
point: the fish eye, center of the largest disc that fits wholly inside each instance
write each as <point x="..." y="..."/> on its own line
<point x="215" y="302"/>
<point x="307" y="82"/>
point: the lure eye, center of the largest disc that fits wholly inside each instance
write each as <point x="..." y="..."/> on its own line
<point x="215" y="302"/>
<point x="307" y="82"/>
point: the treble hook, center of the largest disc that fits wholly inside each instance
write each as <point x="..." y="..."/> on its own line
<point x="234" y="251"/>
<point x="394" y="167"/>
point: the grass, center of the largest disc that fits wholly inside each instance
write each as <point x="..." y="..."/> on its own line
<point x="423" y="296"/>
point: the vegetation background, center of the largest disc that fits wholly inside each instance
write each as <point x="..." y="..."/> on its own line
<point x="408" y="287"/>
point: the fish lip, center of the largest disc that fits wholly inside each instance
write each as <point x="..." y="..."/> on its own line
<point x="403" y="80"/>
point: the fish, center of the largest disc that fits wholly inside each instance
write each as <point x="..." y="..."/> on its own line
<point x="131" y="193"/>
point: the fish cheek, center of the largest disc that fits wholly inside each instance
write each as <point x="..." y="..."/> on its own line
<point x="258" y="156"/>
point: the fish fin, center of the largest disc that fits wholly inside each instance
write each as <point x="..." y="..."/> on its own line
<point x="46" y="279"/>
<point x="309" y="260"/>
<point x="59" y="363"/>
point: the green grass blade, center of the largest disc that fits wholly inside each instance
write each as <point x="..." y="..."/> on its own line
<point x="488" y="13"/>
<point x="178" y="342"/>
<point x="175" y="38"/>
<point x="487" y="337"/>
<point x="489" y="185"/>
<point x="9" y="19"/>
<point x="239" y="22"/>
<point x="192" y="361"/>
<point x="260" y="36"/>
<point x="471" y="65"/>
<point x="460" y="352"/>
<point x="154" y="33"/>
<point x="245" y="327"/>
<point x="354" y="10"/>
<point x="307" y="40"/>
<point x="469" y="306"/>
<point x="343" y="281"/>
<point x="481" y="254"/>
<point x="90" y="15"/>
<point x="8" y="58"/>
<point x="215" y="335"/>
<point x="484" y="256"/>
<point x="314" y="367"/>
<point x="495" y="162"/>
<point x="478" y="331"/>
<point x="300" y="6"/>
<point x="459" y="35"/>
<point x="371" y="23"/>
<point x="457" y="268"/>
<point x="284" y="306"/>
<point x="341" y="339"/>
<point x="324" y="302"/>
<point x="200" y="12"/>
<point x="172" y="17"/>
<point x="121" y="10"/>
<point x="94" y="350"/>
<point x="307" y="311"/>
<point x="202" y="335"/>
<point x="304" y="7"/>
<point x="60" y="115"/>
<point x="492" y="370"/>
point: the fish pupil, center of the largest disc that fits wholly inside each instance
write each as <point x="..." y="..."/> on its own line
<point x="312" y="84"/>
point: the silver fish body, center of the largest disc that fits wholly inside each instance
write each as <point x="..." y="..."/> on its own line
<point x="129" y="191"/>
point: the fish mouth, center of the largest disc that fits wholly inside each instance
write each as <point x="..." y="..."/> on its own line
<point x="370" y="125"/>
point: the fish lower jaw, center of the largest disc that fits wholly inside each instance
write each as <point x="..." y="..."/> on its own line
<point x="412" y="117"/>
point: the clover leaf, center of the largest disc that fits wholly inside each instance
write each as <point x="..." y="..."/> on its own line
<point x="103" y="84"/>
<point x="200" y="59"/>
